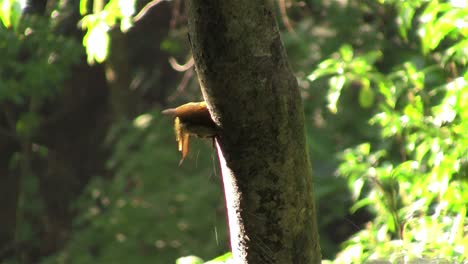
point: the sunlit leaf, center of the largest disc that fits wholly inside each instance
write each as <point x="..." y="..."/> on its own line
<point x="372" y="56"/>
<point x="366" y="95"/>
<point x="364" y="149"/>
<point x="421" y="150"/>
<point x="83" y="7"/>
<point x="414" y="75"/>
<point x="143" y="121"/>
<point x="415" y="110"/>
<point x="359" y="66"/>
<point x="457" y="52"/>
<point x="433" y="30"/>
<point x="336" y="85"/>
<point x="5" y="12"/>
<point x="189" y="260"/>
<point x="445" y="113"/>
<point x="405" y="17"/>
<point x="346" y="52"/>
<point x="326" y="67"/>
<point x="445" y="25"/>
<point x="126" y="24"/>
<point x="357" y="187"/>
<point x="10" y="12"/>
<point x="127" y="7"/>
<point x="226" y="258"/>
<point x="360" y="204"/>
<point x="87" y="21"/>
<point x="109" y="17"/>
<point x="386" y="88"/>
<point x="16" y="10"/>
<point x="96" y="42"/>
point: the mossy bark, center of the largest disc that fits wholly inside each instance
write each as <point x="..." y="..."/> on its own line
<point x="254" y="98"/>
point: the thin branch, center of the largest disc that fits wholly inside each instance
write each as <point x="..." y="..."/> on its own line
<point x="181" y="67"/>
<point x="175" y="15"/>
<point x="284" y="16"/>
<point x="146" y="8"/>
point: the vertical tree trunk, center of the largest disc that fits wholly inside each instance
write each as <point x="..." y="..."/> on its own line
<point x="9" y="185"/>
<point x="254" y="98"/>
<point x="118" y="75"/>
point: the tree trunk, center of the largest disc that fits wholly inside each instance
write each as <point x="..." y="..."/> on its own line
<point x="123" y="101"/>
<point x="9" y="188"/>
<point x="254" y="98"/>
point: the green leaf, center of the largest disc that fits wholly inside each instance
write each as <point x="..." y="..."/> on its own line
<point x="125" y="24"/>
<point x="88" y="21"/>
<point x="357" y="187"/>
<point x="415" y="110"/>
<point x="5" y="12"/>
<point x="387" y="89"/>
<point x="458" y="226"/>
<point x="414" y="75"/>
<point x="421" y="150"/>
<point x="326" y="67"/>
<point x="221" y="259"/>
<point x="433" y="30"/>
<point x="406" y="168"/>
<point x="359" y="66"/>
<point x="372" y="56"/>
<point x="346" y="52"/>
<point x="83" y="7"/>
<point x="336" y="85"/>
<point x="405" y="17"/>
<point x="366" y="95"/>
<point x="360" y="204"/>
<point x="457" y="53"/>
<point x="364" y="149"/>
<point x="15" y="12"/>
<point x="10" y="12"/>
<point x="189" y="260"/>
<point x="127" y="7"/>
<point x="97" y="42"/>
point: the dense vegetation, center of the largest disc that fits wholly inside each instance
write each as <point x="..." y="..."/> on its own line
<point x="89" y="166"/>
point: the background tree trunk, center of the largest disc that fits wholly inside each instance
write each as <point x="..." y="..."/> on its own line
<point x="9" y="185"/>
<point x="254" y="98"/>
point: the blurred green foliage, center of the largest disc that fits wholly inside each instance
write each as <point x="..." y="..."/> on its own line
<point x="151" y="210"/>
<point x="34" y="63"/>
<point x="414" y="177"/>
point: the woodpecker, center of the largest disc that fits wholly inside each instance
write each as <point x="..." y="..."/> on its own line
<point x="191" y="119"/>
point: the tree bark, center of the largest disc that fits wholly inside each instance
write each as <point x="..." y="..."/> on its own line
<point x="255" y="101"/>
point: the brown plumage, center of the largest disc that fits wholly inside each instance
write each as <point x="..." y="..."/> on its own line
<point x="191" y="119"/>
